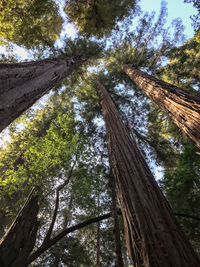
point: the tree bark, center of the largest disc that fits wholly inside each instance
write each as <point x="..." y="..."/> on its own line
<point x="152" y="235"/>
<point x="22" y="84"/>
<point x="116" y="230"/>
<point x="181" y="106"/>
<point x="18" y="242"/>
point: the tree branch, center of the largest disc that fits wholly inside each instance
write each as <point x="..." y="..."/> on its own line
<point x="187" y="216"/>
<point x="52" y="241"/>
<point x="59" y="188"/>
<point x="45" y="246"/>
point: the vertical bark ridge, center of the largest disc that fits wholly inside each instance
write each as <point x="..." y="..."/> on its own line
<point x="22" y="84"/>
<point x="152" y="234"/>
<point x="181" y="106"/>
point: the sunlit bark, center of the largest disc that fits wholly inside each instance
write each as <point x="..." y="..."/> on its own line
<point x="181" y="106"/>
<point x="152" y="235"/>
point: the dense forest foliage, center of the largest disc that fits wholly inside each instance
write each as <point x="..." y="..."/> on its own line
<point x="58" y="181"/>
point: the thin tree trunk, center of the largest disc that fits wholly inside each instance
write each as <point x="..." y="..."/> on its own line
<point x="152" y="235"/>
<point x="22" y="84"/>
<point x="18" y="242"/>
<point x="98" y="235"/>
<point x="116" y="230"/>
<point x="181" y="106"/>
<point x="98" y="245"/>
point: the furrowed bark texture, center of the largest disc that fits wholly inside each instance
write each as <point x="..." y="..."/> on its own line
<point x="22" y="84"/>
<point x="182" y="107"/>
<point x="152" y="234"/>
<point x="19" y="240"/>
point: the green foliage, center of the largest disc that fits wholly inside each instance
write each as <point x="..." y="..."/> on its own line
<point x="183" y="68"/>
<point x="34" y="156"/>
<point x="159" y="137"/>
<point x="147" y="46"/>
<point x="69" y="252"/>
<point x="43" y="153"/>
<point x="29" y="23"/>
<point x="68" y="130"/>
<point x="97" y="17"/>
<point x="181" y="185"/>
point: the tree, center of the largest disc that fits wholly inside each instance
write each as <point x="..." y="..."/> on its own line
<point x="196" y="20"/>
<point x="182" y="69"/>
<point x="152" y="234"/>
<point x="18" y="242"/>
<point x="181" y="106"/>
<point x="181" y="185"/>
<point x="29" y="23"/>
<point x="116" y="229"/>
<point x="22" y="84"/>
<point x="42" y="154"/>
<point x="97" y="17"/>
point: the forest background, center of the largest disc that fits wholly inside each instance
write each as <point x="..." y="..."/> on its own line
<point x="58" y="146"/>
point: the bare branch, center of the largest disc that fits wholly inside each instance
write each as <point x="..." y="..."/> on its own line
<point x="187" y="216"/>
<point x="54" y="240"/>
<point x="59" y="188"/>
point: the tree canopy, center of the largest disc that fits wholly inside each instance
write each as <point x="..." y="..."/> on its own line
<point x="29" y="23"/>
<point x="95" y="17"/>
<point x="58" y="147"/>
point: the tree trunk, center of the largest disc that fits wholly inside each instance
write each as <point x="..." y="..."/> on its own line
<point x="116" y="230"/>
<point x="152" y="235"/>
<point x="18" y="242"/>
<point x="98" y="236"/>
<point x="22" y="84"/>
<point x="182" y="107"/>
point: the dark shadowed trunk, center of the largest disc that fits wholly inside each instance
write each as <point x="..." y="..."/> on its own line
<point x="116" y="230"/>
<point x="98" y="236"/>
<point x="152" y="235"/>
<point x="182" y="107"/>
<point x="22" y="84"/>
<point x="18" y="242"/>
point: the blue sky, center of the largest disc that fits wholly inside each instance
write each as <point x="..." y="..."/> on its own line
<point x="176" y="8"/>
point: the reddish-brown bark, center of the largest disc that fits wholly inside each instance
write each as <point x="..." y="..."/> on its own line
<point x="22" y="84"/>
<point x="181" y="106"/>
<point x="152" y="235"/>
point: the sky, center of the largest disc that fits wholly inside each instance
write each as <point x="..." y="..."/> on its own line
<point x="176" y="8"/>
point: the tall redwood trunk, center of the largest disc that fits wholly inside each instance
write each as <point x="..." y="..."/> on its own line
<point x="18" y="242"/>
<point x="22" y="84"/>
<point x="182" y="107"/>
<point x="116" y="230"/>
<point x="152" y="235"/>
